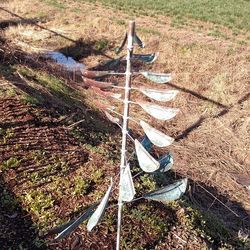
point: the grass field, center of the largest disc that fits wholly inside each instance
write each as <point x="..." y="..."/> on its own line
<point x="51" y="172"/>
<point x="231" y="13"/>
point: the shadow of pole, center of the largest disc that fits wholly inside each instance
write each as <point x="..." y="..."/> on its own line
<point x="201" y="120"/>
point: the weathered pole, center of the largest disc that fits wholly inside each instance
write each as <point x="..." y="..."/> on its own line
<point x="131" y="32"/>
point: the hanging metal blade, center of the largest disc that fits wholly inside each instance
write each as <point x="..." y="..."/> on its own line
<point x="147" y="58"/>
<point x="146" y="161"/>
<point x="169" y="193"/>
<point x="157" y="77"/>
<point x="97" y="215"/>
<point x="106" y="93"/>
<point x="154" y="77"/>
<point x="95" y="74"/>
<point x="157" y="111"/>
<point x="127" y="189"/>
<point x="155" y="136"/>
<point x="73" y="224"/>
<point x="138" y="41"/>
<point x="92" y="83"/>
<point x="159" y="95"/>
<point x="166" y="163"/>
<point x="59" y="229"/>
<point x="112" y="118"/>
<point x="103" y="106"/>
<point x="118" y="50"/>
<point x="146" y="143"/>
<point x="112" y="63"/>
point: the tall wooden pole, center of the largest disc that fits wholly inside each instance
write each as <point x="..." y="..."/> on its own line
<point x="131" y="32"/>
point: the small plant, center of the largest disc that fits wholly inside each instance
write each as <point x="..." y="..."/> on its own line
<point x="6" y="135"/>
<point x="81" y="186"/>
<point x="12" y="162"/>
<point x="97" y="176"/>
<point x="38" y="202"/>
<point x="101" y="44"/>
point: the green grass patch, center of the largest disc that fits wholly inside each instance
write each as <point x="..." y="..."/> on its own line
<point x="55" y="3"/>
<point x="230" y="13"/>
<point x="101" y="44"/>
<point x="40" y="203"/>
<point x="148" y="31"/>
<point x="62" y="95"/>
<point x="12" y="162"/>
<point x="5" y="135"/>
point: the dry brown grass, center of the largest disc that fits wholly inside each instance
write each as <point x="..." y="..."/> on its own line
<point x="211" y="73"/>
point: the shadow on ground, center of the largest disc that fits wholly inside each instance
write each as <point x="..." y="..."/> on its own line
<point x="17" y="230"/>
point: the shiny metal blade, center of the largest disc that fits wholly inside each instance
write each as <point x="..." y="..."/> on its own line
<point x="127" y="189"/>
<point x="148" y="58"/>
<point x="159" y="95"/>
<point x="166" y="162"/>
<point x="118" y="50"/>
<point x="106" y="93"/>
<point x="157" y="77"/>
<point x="112" y="63"/>
<point x="146" y="161"/>
<point x="138" y="41"/>
<point x="94" y="74"/>
<point x="155" y="136"/>
<point x="103" y="106"/>
<point x="69" y="227"/>
<point x="92" y="83"/>
<point x="97" y="215"/>
<point x="157" y="111"/>
<point x="169" y="193"/>
<point x="112" y="118"/>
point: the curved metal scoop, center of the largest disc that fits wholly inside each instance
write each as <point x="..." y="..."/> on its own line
<point x="155" y="136"/>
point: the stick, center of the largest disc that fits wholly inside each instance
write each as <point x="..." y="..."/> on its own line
<point x="131" y="32"/>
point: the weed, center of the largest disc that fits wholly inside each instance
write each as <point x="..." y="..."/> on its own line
<point x="66" y="95"/>
<point x="148" y="182"/>
<point x="97" y="176"/>
<point x="77" y="10"/>
<point x="143" y="215"/>
<point x="38" y="155"/>
<point x="40" y="204"/>
<point x="81" y="186"/>
<point x="218" y="33"/>
<point x="11" y="92"/>
<point x="6" y="134"/>
<point x="30" y="100"/>
<point x="100" y="150"/>
<point x="55" y="3"/>
<point x="242" y="42"/>
<point x="97" y="195"/>
<point x="149" y="31"/>
<point x="12" y="162"/>
<point x="101" y="44"/>
<point x="34" y="177"/>
<point x="119" y="21"/>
